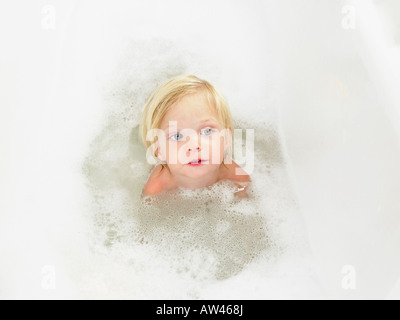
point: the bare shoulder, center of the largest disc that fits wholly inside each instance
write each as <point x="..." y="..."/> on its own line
<point x="236" y="173"/>
<point x="156" y="182"/>
<point x="239" y="176"/>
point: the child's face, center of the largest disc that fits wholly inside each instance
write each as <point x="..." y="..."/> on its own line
<point x="192" y="132"/>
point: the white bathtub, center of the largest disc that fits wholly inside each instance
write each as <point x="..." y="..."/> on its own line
<point x="339" y="117"/>
<point x="292" y="64"/>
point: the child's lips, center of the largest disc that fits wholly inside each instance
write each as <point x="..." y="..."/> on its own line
<point x="197" y="162"/>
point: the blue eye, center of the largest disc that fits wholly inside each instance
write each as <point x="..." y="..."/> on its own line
<point x="207" y="132"/>
<point x="177" y="136"/>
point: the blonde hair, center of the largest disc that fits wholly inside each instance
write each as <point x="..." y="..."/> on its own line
<point x="171" y="91"/>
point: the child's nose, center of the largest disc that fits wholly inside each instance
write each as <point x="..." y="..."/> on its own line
<point x="194" y="144"/>
<point x="194" y="148"/>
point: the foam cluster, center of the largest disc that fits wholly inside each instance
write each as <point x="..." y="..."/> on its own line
<point x="188" y="238"/>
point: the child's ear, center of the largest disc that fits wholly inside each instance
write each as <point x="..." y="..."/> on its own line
<point x="161" y="155"/>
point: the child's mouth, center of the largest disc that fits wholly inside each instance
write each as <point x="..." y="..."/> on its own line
<point x="196" y="163"/>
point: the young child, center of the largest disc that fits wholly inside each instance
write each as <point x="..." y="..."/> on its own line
<point x="187" y="124"/>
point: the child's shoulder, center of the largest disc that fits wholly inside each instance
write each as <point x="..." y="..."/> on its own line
<point x="239" y="176"/>
<point x="156" y="182"/>
<point x="236" y="173"/>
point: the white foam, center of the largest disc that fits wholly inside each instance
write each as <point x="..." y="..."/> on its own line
<point x="199" y="239"/>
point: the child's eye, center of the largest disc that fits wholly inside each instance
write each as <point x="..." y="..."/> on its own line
<point x="177" y="136"/>
<point x="207" y="132"/>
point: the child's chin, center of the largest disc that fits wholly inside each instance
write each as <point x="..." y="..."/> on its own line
<point x="196" y="171"/>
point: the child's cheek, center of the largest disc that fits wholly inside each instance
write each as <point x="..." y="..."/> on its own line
<point x="172" y="152"/>
<point x="161" y="149"/>
<point x="215" y="148"/>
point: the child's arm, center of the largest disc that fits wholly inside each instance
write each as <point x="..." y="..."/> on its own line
<point x="154" y="184"/>
<point x="241" y="180"/>
<point x="241" y="191"/>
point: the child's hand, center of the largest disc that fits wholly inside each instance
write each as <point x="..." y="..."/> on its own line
<point x="241" y="191"/>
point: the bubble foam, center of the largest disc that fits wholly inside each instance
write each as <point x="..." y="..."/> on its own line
<point x="180" y="244"/>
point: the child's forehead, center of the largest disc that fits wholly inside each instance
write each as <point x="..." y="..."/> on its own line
<point x="190" y="110"/>
<point x="196" y="103"/>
